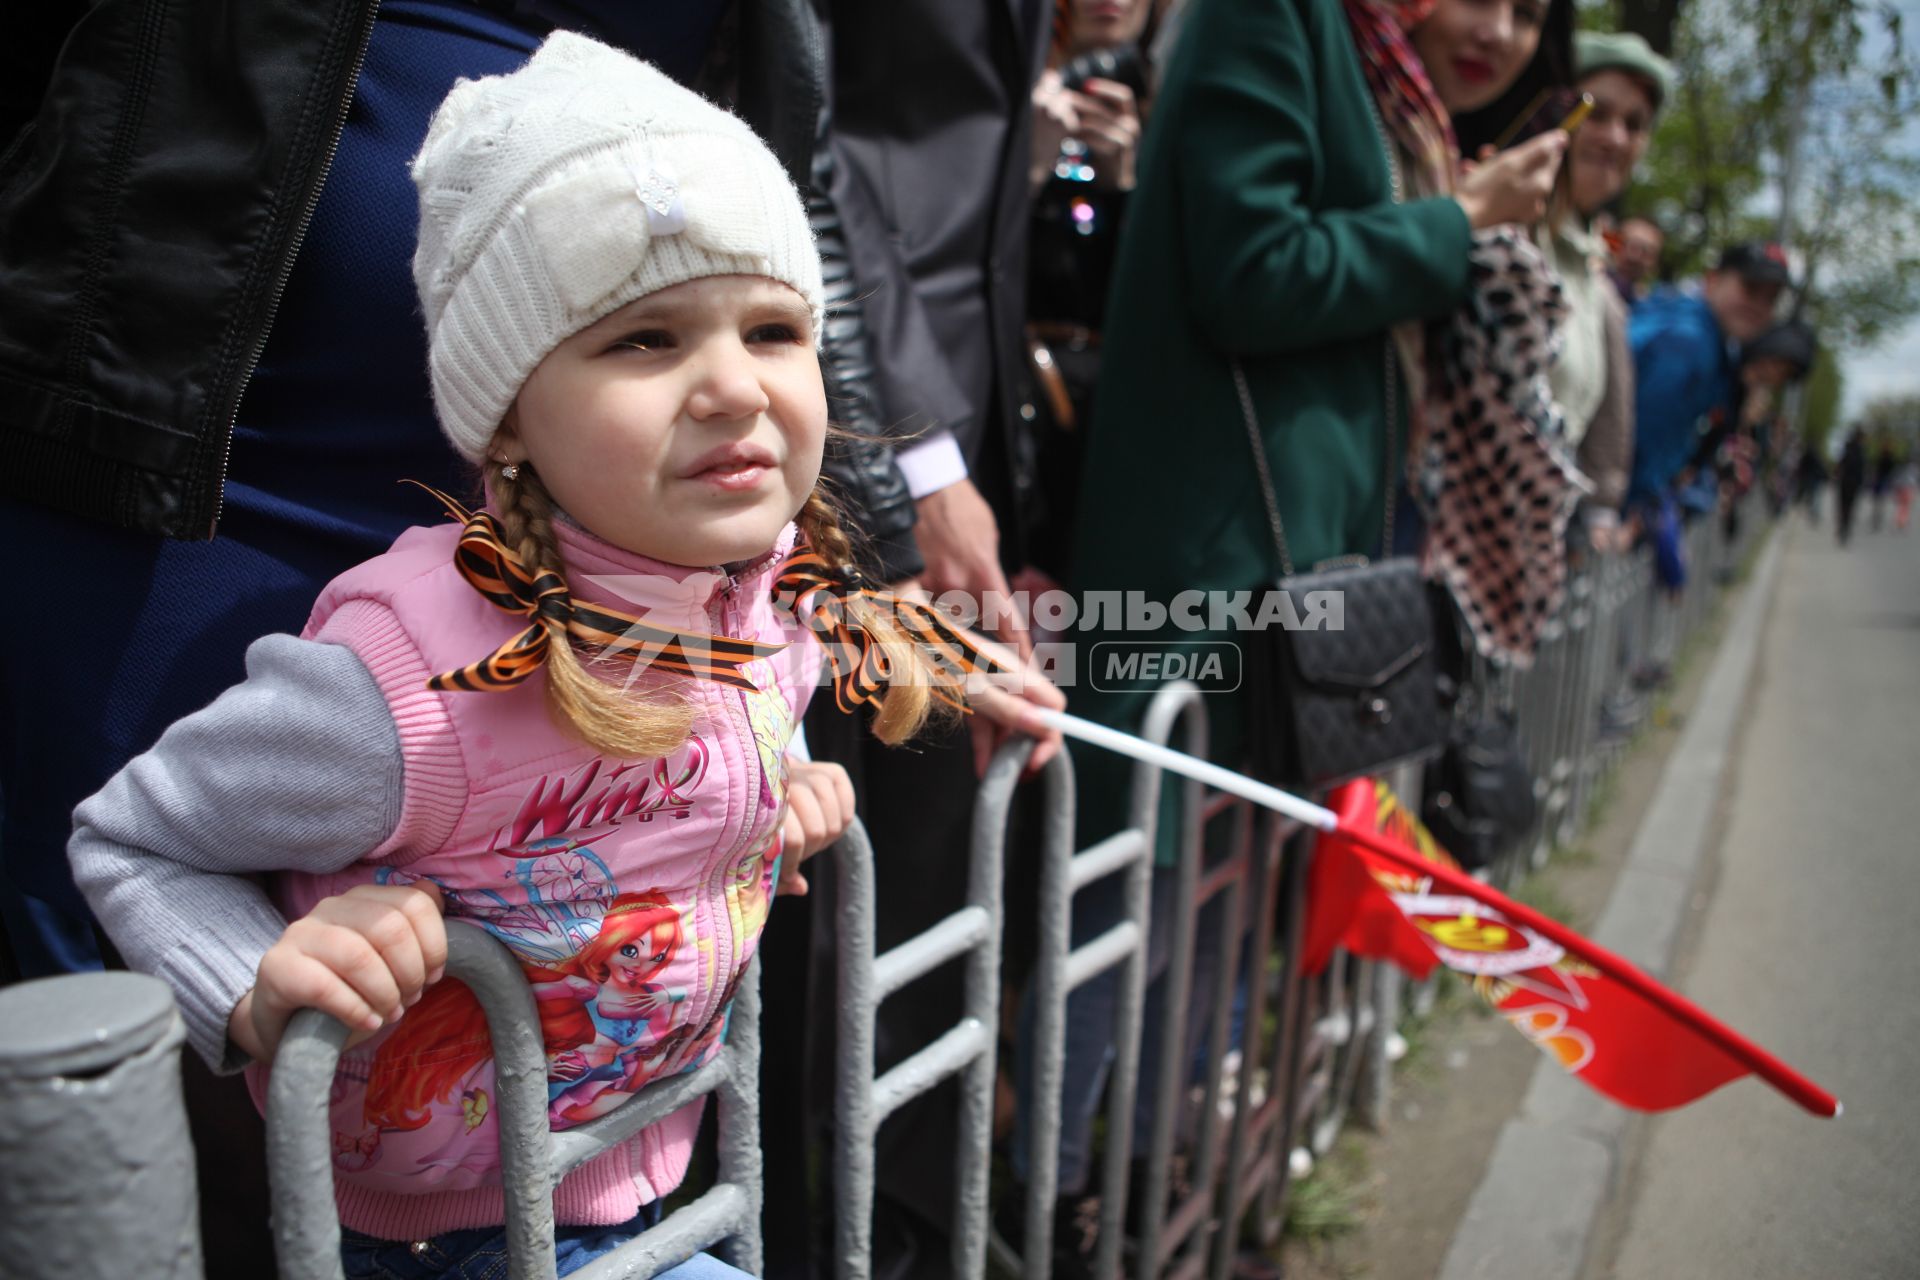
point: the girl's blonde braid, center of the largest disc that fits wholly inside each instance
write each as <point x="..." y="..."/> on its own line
<point x="640" y="722"/>
<point x="908" y="704"/>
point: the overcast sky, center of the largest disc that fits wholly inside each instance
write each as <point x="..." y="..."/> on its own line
<point x="1893" y="366"/>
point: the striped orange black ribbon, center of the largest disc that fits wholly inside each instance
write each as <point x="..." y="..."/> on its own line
<point x="485" y="561"/>
<point x="817" y="593"/>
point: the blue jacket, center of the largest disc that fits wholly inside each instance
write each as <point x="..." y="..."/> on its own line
<point x="1682" y="372"/>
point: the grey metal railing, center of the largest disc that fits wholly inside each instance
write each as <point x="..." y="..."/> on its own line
<point x="973" y="932"/>
<point x="1242" y="1131"/>
<point x="532" y="1159"/>
<point x="1059" y="971"/>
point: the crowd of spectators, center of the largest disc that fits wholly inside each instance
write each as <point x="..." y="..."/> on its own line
<point x="1056" y="234"/>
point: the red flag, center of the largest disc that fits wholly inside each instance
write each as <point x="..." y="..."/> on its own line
<point x="1382" y="888"/>
<point x="1350" y="896"/>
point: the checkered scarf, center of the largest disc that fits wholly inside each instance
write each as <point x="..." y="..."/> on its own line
<point x="1493" y="479"/>
<point x="1496" y="482"/>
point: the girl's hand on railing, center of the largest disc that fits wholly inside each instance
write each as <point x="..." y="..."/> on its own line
<point x="363" y="957"/>
<point x="819" y="810"/>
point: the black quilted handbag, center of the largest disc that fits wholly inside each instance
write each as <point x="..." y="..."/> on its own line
<point x="1328" y="705"/>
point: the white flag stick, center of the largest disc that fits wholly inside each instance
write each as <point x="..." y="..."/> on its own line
<point x="1188" y="766"/>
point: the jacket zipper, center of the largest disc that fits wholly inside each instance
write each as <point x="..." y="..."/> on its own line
<point x="731" y="712"/>
<point x="309" y="202"/>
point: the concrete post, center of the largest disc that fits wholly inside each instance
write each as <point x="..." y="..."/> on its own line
<point x="96" y="1168"/>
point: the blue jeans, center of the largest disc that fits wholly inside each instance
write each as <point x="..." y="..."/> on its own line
<point x="481" y="1253"/>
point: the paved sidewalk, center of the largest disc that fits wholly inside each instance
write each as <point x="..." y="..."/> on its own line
<point x="1773" y="881"/>
<point x="1556" y="1163"/>
<point x="1807" y="943"/>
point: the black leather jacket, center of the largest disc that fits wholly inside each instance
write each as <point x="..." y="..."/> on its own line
<point x="151" y="213"/>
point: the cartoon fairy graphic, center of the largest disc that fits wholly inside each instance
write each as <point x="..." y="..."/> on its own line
<point x="607" y="1025"/>
<point x="606" y="1021"/>
<point x="750" y="879"/>
<point x="750" y="884"/>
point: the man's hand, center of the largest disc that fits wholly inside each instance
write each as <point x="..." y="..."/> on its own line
<point x="819" y="811"/>
<point x="960" y="542"/>
<point x="1003" y="706"/>
<point x="363" y="956"/>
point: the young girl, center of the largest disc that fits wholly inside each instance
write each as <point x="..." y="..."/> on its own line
<point x="565" y="717"/>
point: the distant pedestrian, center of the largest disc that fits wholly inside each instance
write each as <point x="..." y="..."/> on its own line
<point x="1848" y="477"/>
<point x="1885" y="464"/>
<point x="1812" y="478"/>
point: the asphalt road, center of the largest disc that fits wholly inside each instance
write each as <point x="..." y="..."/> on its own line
<point x="1806" y="936"/>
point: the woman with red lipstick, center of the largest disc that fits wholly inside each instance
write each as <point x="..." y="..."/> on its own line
<point x="1302" y="213"/>
<point x="1301" y="216"/>
<point x="1493" y="62"/>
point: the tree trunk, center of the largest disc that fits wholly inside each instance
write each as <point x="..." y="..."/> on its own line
<point x="1653" y="19"/>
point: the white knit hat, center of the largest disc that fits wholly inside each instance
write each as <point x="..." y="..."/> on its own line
<point x="554" y="196"/>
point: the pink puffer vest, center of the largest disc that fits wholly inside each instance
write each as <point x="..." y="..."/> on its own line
<point x="632" y="892"/>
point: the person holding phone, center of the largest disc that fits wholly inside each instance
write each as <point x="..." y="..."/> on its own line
<point x="1089" y="109"/>
<point x="1301" y="211"/>
<point x="1626" y="82"/>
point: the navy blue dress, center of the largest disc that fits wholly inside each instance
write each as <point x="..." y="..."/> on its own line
<point x="337" y="414"/>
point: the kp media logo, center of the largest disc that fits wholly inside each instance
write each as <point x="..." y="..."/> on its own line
<point x="1130" y="666"/>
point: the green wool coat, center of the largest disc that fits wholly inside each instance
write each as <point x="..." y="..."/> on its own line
<point x="1264" y="228"/>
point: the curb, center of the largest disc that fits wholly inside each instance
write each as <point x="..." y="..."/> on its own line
<point x="1556" y="1163"/>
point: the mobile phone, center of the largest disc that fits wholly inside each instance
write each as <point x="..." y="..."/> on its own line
<point x="1578" y="116"/>
<point x="1123" y="65"/>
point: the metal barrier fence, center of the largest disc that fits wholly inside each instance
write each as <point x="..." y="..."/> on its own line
<point x="533" y="1159"/>
<point x="1286" y="1061"/>
<point x="1328" y="1054"/>
<point x="864" y="1102"/>
<point x="1591" y="688"/>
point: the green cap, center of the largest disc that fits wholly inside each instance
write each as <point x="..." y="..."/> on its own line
<point x="1622" y="51"/>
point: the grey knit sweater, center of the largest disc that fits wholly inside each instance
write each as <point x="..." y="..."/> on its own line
<point x="298" y="767"/>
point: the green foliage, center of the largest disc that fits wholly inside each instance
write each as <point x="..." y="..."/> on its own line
<point x="1894" y="420"/>
<point x="1860" y="236"/>
<point x="1331" y="1201"/>
<point x="1595" y="15"/>
<point x="1787" y="112"/>
<point x="1704" y="167"/>
<point x="1820" y="408"/>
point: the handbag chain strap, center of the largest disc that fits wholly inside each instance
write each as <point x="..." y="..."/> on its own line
<point x="1266" y="477"/>
<point x="1389" y="497"/>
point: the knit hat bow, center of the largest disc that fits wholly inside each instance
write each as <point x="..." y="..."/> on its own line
<point x="605" y="213"/>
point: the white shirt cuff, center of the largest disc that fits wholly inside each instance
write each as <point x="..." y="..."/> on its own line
<point x="932" y="464"/>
